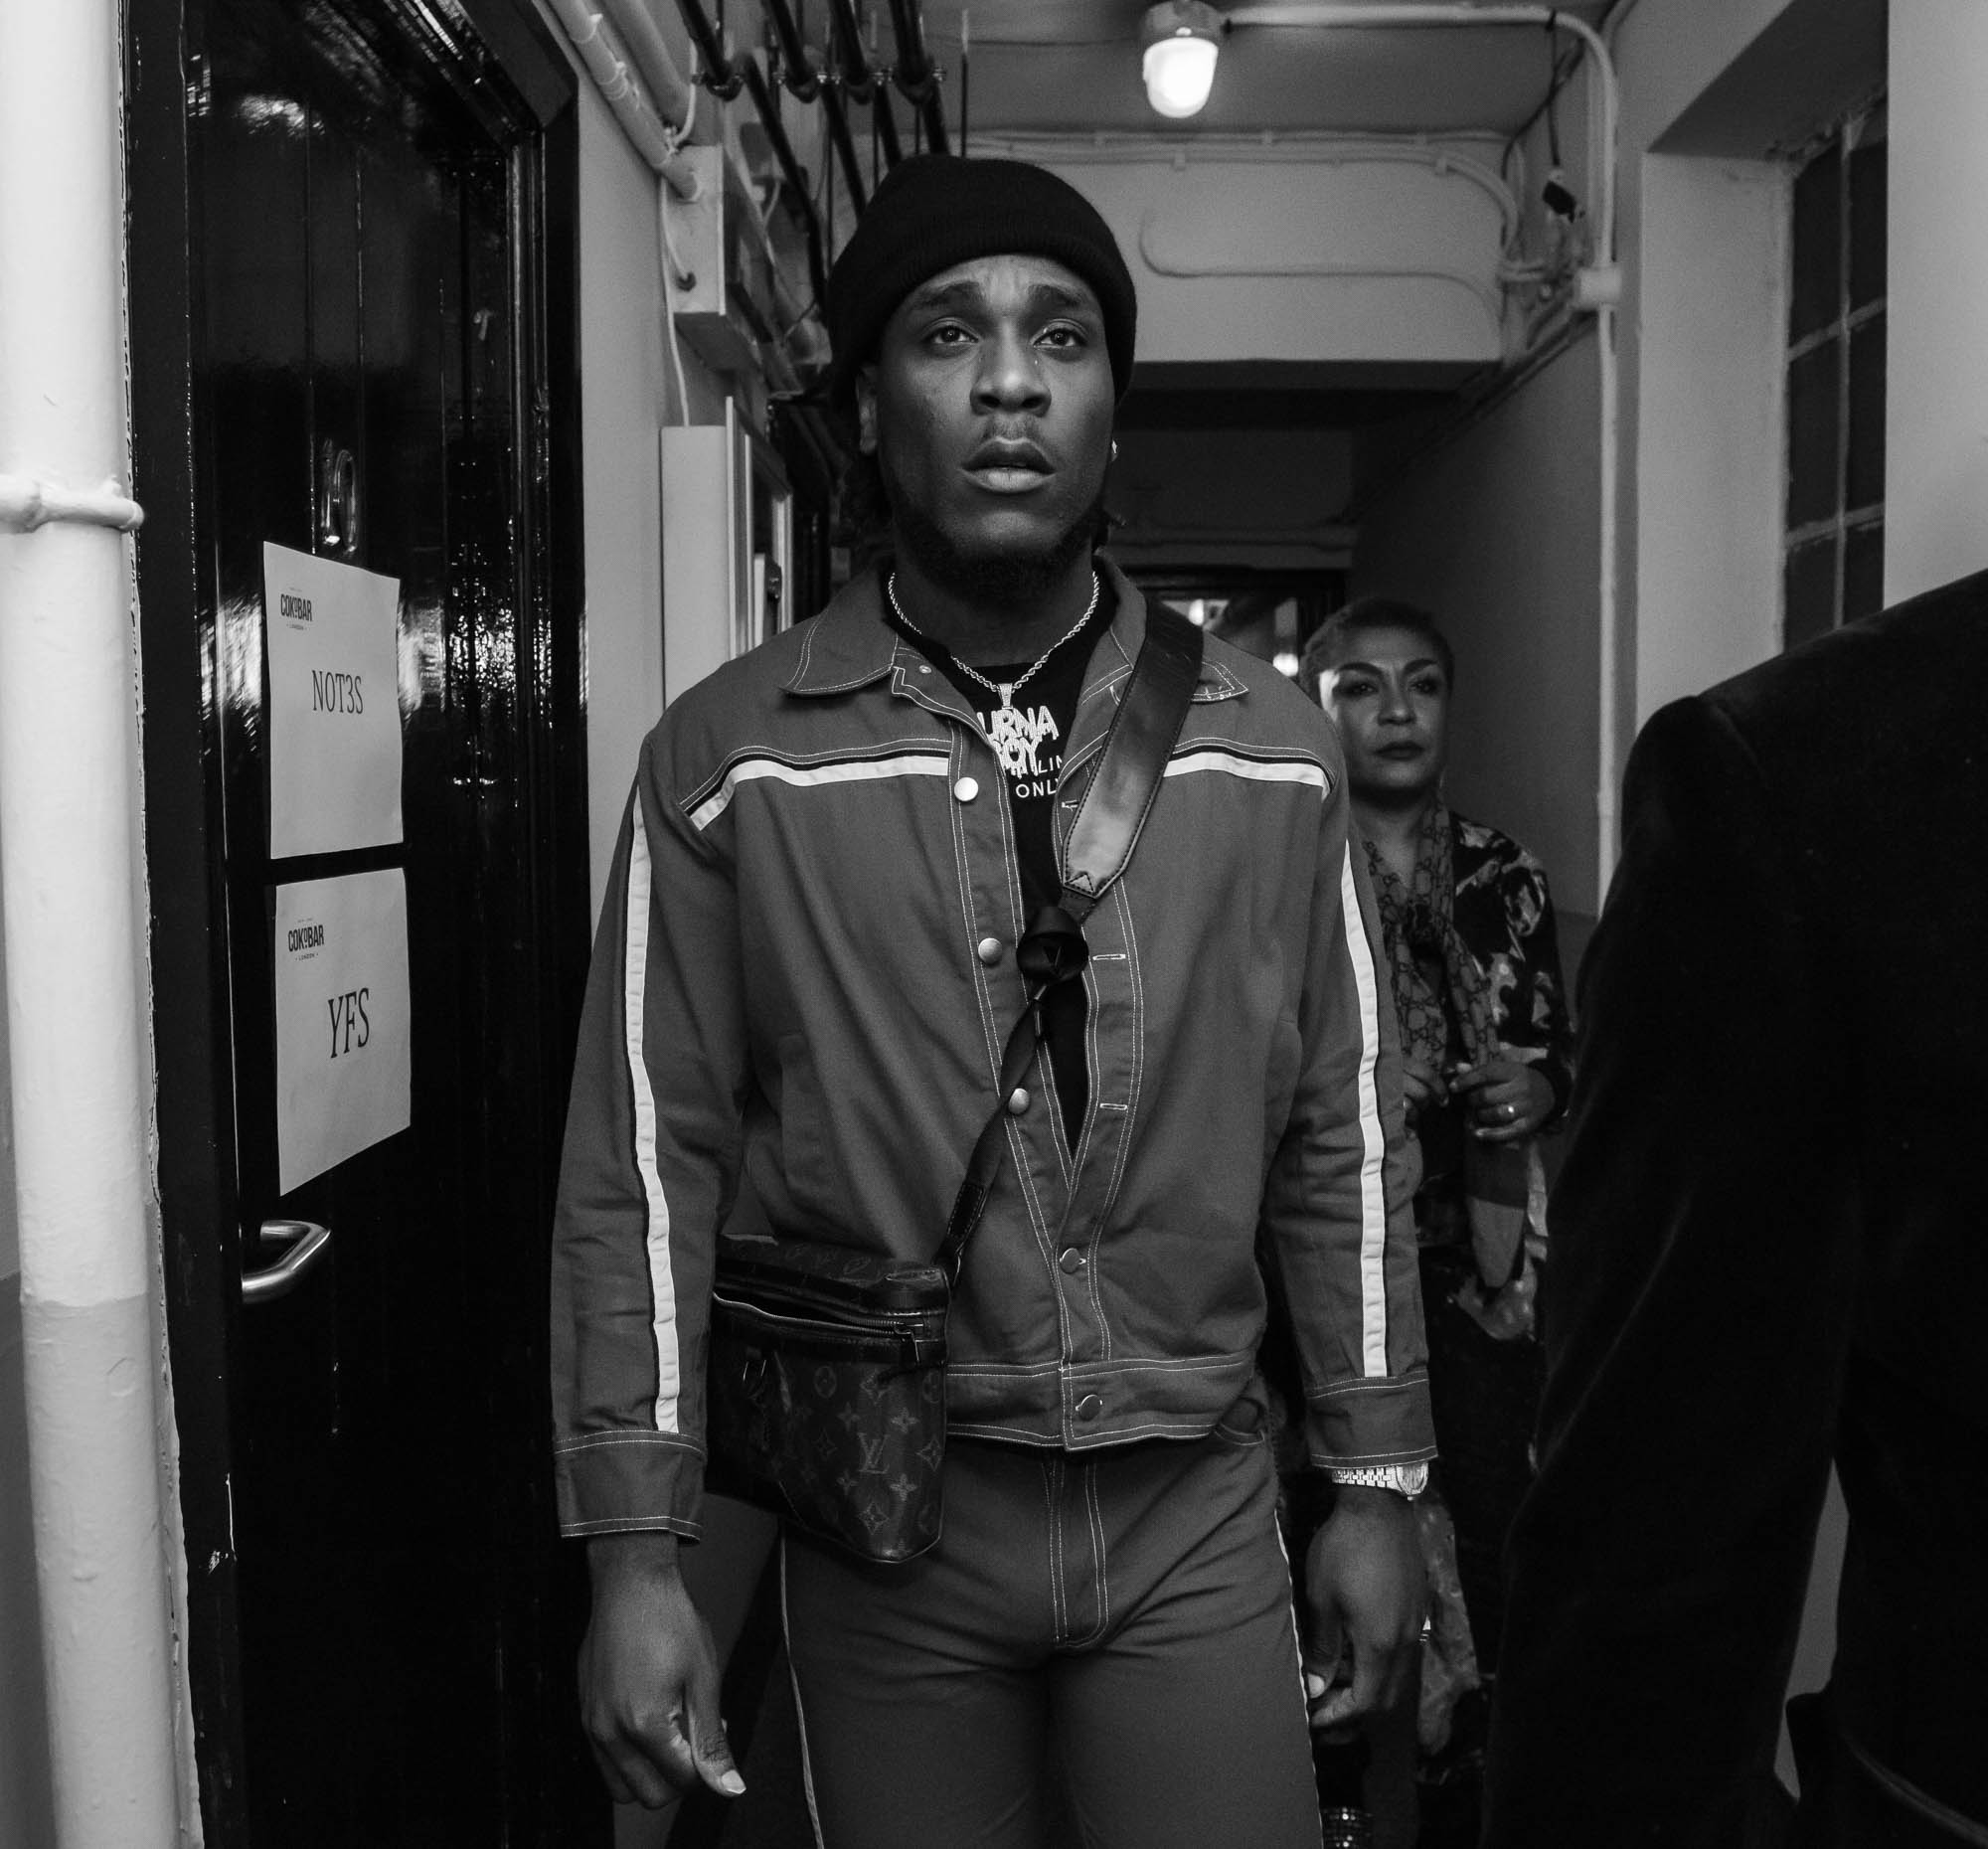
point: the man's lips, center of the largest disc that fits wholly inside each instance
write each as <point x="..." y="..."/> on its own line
<point x="1009" y="468"/>
<point x="1402" y="749"/>
<point x="1003" y="480"/>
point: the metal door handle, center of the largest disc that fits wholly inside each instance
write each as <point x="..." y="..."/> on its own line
<point x="306" y="1242"/>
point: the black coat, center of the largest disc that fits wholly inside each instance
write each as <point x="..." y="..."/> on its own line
<point x="1770" y="1248"/>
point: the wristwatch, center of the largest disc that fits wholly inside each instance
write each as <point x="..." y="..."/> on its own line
<point x="1408" y="1480"/>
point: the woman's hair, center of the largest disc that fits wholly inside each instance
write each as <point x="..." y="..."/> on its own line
<point x="1329" y="644"/>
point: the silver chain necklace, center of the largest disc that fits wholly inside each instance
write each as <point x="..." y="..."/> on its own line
<point x="1006" y="689"/>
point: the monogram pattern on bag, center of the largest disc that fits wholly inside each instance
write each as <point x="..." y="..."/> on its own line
<point x="851" y="1448"/>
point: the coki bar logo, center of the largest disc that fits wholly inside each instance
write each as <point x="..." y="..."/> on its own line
<point x="351" y="1025"/>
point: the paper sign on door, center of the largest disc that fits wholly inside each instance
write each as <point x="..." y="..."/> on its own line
<point x="331" y="636"/>
<point x="343" y="1019"/>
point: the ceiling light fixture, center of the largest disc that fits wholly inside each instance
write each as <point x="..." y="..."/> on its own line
<point x="1182" y="40"/>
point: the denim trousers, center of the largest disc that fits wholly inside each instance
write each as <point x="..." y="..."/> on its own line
<point x="1121" y="1614"/>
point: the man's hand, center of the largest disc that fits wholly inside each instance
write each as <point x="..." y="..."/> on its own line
<point x="648" y="1677"/>
<point x="1364" y="1578"/>
<point x="1507" y="1098"/>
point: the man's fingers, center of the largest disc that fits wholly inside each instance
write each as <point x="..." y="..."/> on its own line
<point x="1365" y="1695"/>
<point x="643" y="1759"/>
<point x="627" y="1778"/>
<point x="618" y="1787"/>
<point x="1321" y="1659"/>
<point x="709" y="1745"/>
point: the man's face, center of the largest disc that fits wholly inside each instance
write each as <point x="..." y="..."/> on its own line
<point x="1389" y="698"/>
<point x="989" y="411"/>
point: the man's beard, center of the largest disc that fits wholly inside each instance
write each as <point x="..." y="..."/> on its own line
<point x="1005" y="579"/>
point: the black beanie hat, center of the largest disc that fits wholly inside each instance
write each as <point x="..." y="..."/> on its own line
<point x="933" y="211"/>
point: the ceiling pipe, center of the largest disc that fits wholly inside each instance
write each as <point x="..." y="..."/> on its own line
<point x="859" y="81"/>
<point x="916" y="75"/>
<point x="1596" y="288"/>
<point x="887" y="126"/>
<point x="722" y="75"/>
<point x="618" y="74"/>
<point x="810" y="85"/>
<point x="797" y="73"/>
<point x="862" y="81"/>
<point x="845" y="146"/>
<point x="1339" y="13"/>
<point x="764" y="100"/>
<point x="669" y="91"/>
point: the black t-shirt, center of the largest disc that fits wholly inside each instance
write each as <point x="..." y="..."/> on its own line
<point x="1028" y="737"/>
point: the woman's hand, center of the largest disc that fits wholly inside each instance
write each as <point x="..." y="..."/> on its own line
<point x="1421" y="1087"/>
<point x="1507" y="1098"/>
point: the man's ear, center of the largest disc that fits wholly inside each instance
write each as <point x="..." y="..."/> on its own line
<point x="865" y="410"/>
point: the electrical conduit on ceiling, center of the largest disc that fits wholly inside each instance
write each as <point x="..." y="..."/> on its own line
<point x="1598" y="289"/>
<point x="622" y="51"/>
<point x="81" y="1072"/>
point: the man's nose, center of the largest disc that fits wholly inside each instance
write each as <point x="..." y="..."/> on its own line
<point x="1011" y="375"/>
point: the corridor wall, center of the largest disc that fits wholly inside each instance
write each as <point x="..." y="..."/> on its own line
<point x="1496" y="532"/>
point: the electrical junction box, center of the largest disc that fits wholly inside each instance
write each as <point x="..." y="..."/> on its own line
<point x="729" y="311"/>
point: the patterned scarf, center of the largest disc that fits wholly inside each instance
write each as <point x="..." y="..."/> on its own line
<point x="1418" y="922"/>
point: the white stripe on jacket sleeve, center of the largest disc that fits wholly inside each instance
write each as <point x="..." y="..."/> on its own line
<point x="634" y="982"/>
<point x="1255" y="770"/>
<point x="809" y="776"/>
<point x="1373" y="1141"/>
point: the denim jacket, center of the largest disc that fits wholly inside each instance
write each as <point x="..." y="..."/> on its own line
<point x="803" y="982"/>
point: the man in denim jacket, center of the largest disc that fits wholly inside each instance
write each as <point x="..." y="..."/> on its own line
<point x="805" y="976"/>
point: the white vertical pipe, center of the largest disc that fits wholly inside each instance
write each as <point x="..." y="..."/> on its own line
<point x="1607" y="748"/>
<point x="81" y="1073"/>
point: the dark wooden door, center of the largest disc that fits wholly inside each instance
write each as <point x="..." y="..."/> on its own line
<point x="372" y="365"/>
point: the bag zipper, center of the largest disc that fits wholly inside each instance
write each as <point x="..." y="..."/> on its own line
<point x="920" y="1349"/>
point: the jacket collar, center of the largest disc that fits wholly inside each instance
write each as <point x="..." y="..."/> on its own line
<point x="849" y="644"/>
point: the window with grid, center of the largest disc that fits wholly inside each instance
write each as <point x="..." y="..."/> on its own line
<point x="1833" y="567"/>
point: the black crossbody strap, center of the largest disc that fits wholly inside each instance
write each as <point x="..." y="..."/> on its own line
<point x="1137" y="746"/>
<point x="1132" y="763"/>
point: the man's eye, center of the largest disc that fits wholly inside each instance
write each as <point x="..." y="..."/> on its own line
<point x="947" y="334"/>
<point x="1428" y="685"/>
<point x="1354" y="690"/>
<point x="1064" y="337"/>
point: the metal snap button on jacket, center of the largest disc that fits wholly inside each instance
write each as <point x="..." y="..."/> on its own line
<point x="1090" y="1407"/>
<point x="1070" y="1261"/>
<point x="966" y="790"/>
<point x="1017" y="1100"/>
<point x="989" y="949"/>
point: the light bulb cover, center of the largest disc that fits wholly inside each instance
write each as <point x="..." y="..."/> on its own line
<point x="1182" y="40"/>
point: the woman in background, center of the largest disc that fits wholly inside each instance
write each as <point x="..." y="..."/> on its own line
<point x="1486" y="1046"/>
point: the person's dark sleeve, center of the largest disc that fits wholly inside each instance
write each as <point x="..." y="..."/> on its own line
<point x="1694" y="1318"/>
